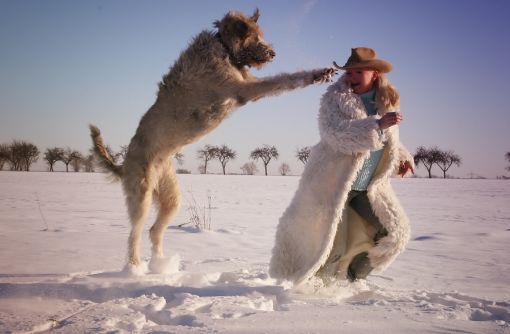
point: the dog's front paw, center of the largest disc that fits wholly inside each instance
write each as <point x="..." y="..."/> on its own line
<point x="324" y="75"/>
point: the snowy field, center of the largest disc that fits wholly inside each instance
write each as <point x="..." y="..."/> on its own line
<point x="62" y="252"/>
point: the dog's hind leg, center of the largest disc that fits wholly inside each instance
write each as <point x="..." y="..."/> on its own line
<point x="138" y="199"/>
<point x="167" y="197"/>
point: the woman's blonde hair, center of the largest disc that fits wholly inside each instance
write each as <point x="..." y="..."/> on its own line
<point x="387" y="96"/>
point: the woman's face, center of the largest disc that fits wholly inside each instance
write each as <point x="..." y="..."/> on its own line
<point x="361" y="81"/>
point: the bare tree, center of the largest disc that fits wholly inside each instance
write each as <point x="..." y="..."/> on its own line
<point x="284" y="169"/>
<point x="179" y="157"/>
<point x="88" y="163"/>
<point x="303" y="153"/>
<point x="266" y="153"/>
<point x="249" y="168"/>
<point x="507" y="156"/>
<point x="206" y="154"/>
<point x="427" y="157"/>
<point x="13" y="157"/>
<point x="52" y="155"/>
<point x="78" y="162"/>
<point x="5" y="153"/>
<point x="224" y="154"/>
<point x="30" y="155"/>
<point x="69" y="156"/>
<point x="446" y="159"/>
<point x="22" y="155"/>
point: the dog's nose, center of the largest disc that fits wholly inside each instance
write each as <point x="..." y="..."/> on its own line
<point x="271" y="53"/>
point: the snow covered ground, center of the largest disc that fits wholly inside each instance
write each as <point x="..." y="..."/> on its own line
<point x="62" y="252"/>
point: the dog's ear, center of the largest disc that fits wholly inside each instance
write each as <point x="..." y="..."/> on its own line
<point x="255" y="15"/>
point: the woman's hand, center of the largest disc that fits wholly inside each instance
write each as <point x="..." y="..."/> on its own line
<point x="404" y="167"/>
<point x="389" y="119"/>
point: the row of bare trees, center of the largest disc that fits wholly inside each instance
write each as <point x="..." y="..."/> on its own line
<point x="224" y="154"/>
<point x="20" y="155"/>
<point x="265" y="153"/>
<point x="428" y="157"/>
<point x="66" y="156"/>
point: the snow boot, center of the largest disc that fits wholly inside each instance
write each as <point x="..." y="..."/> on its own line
<point x="359" y="268"/>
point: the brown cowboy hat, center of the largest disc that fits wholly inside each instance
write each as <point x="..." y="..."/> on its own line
<point x="365" y="58"/>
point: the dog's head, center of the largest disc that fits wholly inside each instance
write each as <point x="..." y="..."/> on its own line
<point x="243" y="38"/>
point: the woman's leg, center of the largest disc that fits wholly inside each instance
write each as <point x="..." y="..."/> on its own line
<point x="360" y="203"/>
<point x="360" y="267"/>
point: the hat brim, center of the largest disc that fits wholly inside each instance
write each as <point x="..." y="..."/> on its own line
<point x="375" y="64"/>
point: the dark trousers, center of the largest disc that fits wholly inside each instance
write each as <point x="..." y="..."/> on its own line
<point x="360" y="267"/>
<point x="358" y="201"/>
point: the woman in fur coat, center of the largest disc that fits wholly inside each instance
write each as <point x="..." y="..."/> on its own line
<point x="344" y="220"/>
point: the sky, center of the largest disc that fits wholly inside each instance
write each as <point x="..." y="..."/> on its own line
<point x="67" y="64"/>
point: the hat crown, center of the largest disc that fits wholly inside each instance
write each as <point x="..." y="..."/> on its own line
<point x="359" y="55"/>
<point x="366" y="58"/>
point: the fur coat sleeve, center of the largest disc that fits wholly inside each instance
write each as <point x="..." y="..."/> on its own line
<point x="344" y="125"/>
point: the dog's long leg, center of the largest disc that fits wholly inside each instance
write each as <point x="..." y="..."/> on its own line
<point x="167" y="196"/>
<point x="258" y="88"/>
<point x="138" y="200"/>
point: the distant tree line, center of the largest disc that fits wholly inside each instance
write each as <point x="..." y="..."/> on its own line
<point x="264" y="153"/>
<point x="224" y="154"/>
<point x="19" y="155"/>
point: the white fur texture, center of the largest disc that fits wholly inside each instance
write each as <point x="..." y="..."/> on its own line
<point x="318" y="234"/>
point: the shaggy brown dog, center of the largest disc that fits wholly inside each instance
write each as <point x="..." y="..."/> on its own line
<point x="207" y="82"/>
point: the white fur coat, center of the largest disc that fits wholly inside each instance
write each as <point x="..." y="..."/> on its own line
<point x="318" y="233"/>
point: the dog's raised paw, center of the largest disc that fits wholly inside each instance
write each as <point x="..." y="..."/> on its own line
<point x="325" y="75"/>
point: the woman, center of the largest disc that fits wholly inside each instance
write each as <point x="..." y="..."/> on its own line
<point x="344" y="220"/>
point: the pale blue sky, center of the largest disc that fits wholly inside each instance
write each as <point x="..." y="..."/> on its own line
<point x="65" y="64"/>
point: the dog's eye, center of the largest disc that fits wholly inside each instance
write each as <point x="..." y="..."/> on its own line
<point x="240" y="28"/>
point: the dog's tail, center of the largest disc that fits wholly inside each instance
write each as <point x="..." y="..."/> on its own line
<point x="103" y="155"/>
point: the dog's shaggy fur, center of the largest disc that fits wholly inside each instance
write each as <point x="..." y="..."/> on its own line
<point x="207" y="82"/>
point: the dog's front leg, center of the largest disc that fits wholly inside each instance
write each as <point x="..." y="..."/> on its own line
<point x="256" y="88"/>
